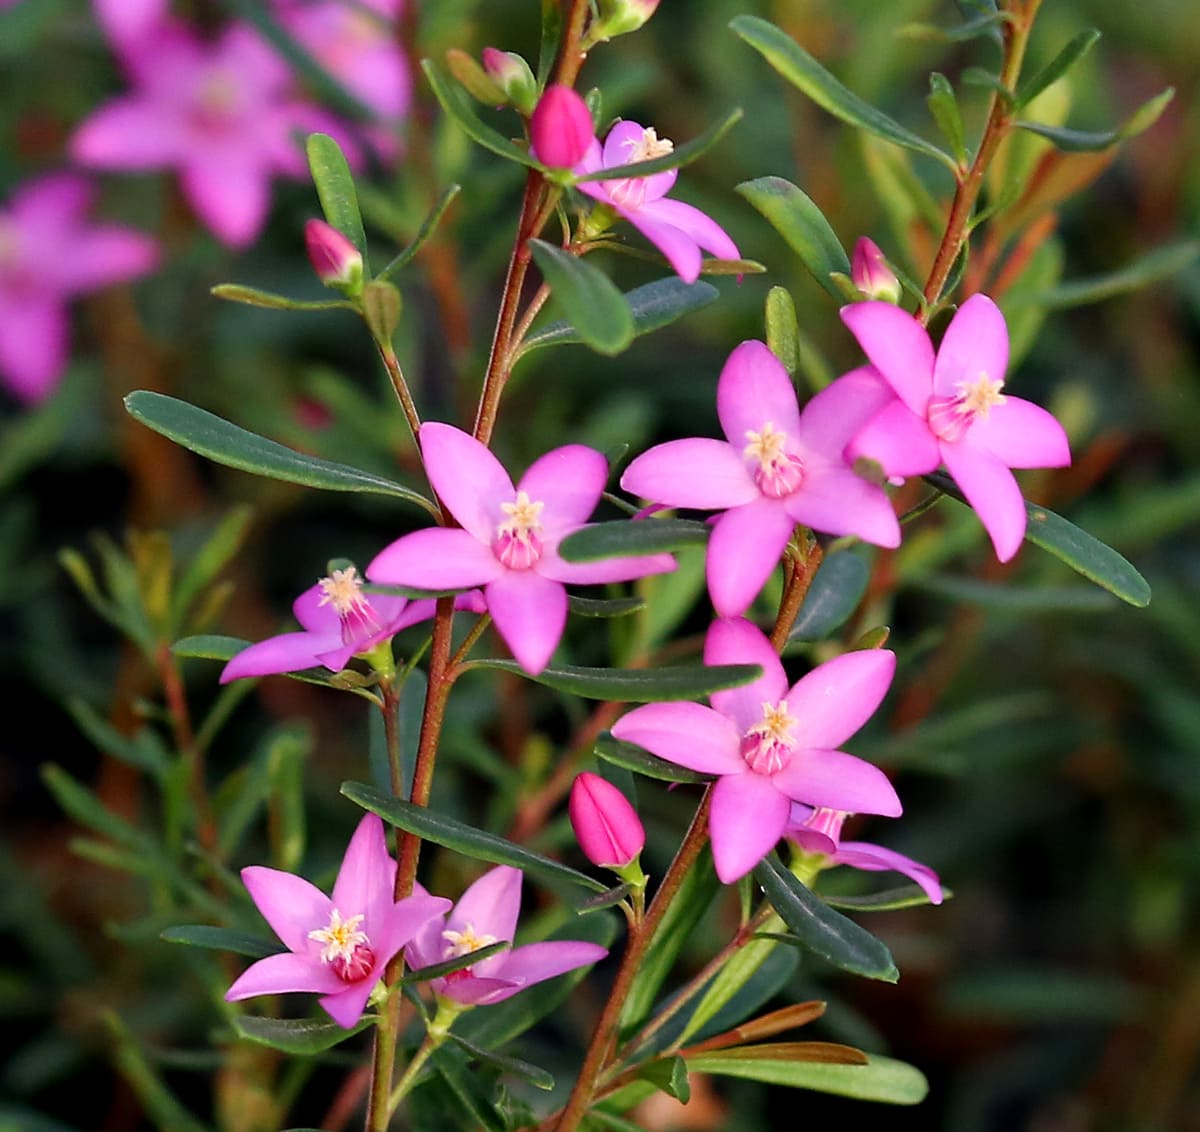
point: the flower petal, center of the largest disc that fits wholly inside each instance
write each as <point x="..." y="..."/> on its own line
<point x="875" y="858"/>
<point x="491" y="905"/>
<point x="436" y="558"/>
<point x="975" y="343"/>
<point x="568" y="481"/>
<point x="836" y="500"/>
<point x="468" y="479"/>
<point x="898" y="440"/>
<point x="736" y="641"/>
<point x="621" y="568"/>
<point x="530" y="613"/>
<point x="347" y="1006"/>
<point x="697" y="472"/>
<point x="231" y="192"/>
<point x="402" y="921"/>
<point x="287" y="973"/>
<point x="475" y="990"/>
<point x="33" y="346"/>
<point x="898" y="346"/>
<point x="748" y="816"/>
<point x="753" y="389"/>
<point x="622" y="139"/>
<point x="830" y="420"/>
<point x="839" y="781"/>
<point x="696" y="225"/>
<point x="1021" y="434"/>
<point x="994" y="493"/>
<point x="689" y="735"/>
<point x="288" y="652"/>
<point x="681" y="251"/>
<point x="535" y="962"/>
<point x="290" y="904"/>
<point x="366" y="881"/>
<point x="102" y="255"/>
<point x="129" y="133"/>
<point x="744" y="548"/>
<point x="836" y="698"/>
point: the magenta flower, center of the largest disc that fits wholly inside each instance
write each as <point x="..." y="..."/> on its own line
<point x="339" y="946"/>
<point x="777" y="467"/>
<point x="871" y="273"/>
<point x="820" y="830"/>
<point x="949" y="410"/>
<point x="48" y="254"/>
<point x="560" y="129"/>
<point x="769" y="744"/>
<point x="677" y="229"/>
<point x="336" y="261"/>
<point x="606" y="826"/>
<point x="487" y="914"/>
<point x="509" y="538"/>
<point x="222" y="112"/>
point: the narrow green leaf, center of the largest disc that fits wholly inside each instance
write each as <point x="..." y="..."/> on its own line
<point x="440" y="970"/>
<point x="1028" y="89"/>
<point x="470" y="1091"/>
<point x="802" y="224"/>
<point x="209" y="646"/>
<point x="838" y="587"/>
<point x="653" y="305"/>
<point x="609" y="899"/>
<point x="457" y="103"/>
<point x="222" y="939"/>
<point x="670" y="1076"/>
<point x="632" y="537"/>
<point x="634" y="758"/>
<point x="216" y="438"/>
<point x="604" y="607"/>
<point x="253" y="297"/>
<point x="987" y="25"/>
<point x="85" y="807"/>
<point x="825" y="932"/>
<point x="213" y="556"/>
<point x="681" y="155"/>
<point x="335" y="189"/>
<point x="295" y="1035"/>
<point x="889" y="900"/>
<point x="548" y="46"/>
<point x="428" y="226"/>
<point x="513" y="1066"/>
<point x="944" y="108"/>
<point x="881" y="1079"/>
<point x="588" y="298"/>
<point x="803" y="71"/>
<point x="142" y="750"/>
<point x="986" y="80"/>
<point x="1019" y="599"/>
<point x="634" y="685"/>
<point x="783" y="330"/>
<point x="452" y="834"/>
<point x="1085" y="141"/>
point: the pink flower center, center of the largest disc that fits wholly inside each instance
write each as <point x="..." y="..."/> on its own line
<point x="769" y="745"/>
<point x="825" y="821"/>
<point x="218" y="103"/>
<point x="518" y="542"/>
<point x="346" y="949"/>
<point x="343" y="590"/>
<point x="630" y="192"/>
<point x="778" y="473"/>
<point x="950" y="417"/>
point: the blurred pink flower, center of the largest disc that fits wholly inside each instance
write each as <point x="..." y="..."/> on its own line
<point x="949" y="410"/>
<point x="487" y="914"/>
<point x="677" y="229"/>
<point x="49" y="253"/>
<point x="339" y="946"/>
<point x="770" y="744"/>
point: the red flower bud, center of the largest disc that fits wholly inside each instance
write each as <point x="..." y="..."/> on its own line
<point x="337" y="262"/>
<point x="561" y="128"/>
<point x="606" y="825"/>
<point x="871" y="274"/>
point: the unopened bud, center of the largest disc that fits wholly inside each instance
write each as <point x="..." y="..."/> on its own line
<point x="512" y="75"/>
<point x="561" y="128"/>
<point x="606" y="825"/>
<point x="618" y="17"/>
<point x="337" y="262"/>
<point x="473" y="78"/>
<point x="871" y="273"/>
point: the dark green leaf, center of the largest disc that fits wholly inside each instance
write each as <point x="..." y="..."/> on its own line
<point x="681" y="155"/>
<point x="471" y="1092"/>
<point x="1019" y="599"/>
<point x="838" y="587"/>
<point x="906" y="896"/>
<point x="604" y="607"/>
<point x="783" y="331"/>
<point x="669" y="1075"/>
<point x="87" y="809"/>
<point x="609" y="899"/>
<point x="457" y="103"/>
<point x="634" y="758"/>
<point x="219" y="440"/>
<point x="653" y="305"/>
<point x="624" y="537"/>
<point x="451" y="834"/>
<point x="802" y="224"/>
<point x="513" y="1066"/>
<point x="590" y="300"/>
<point x="1028" y="89"/>
<point x="634" y="685"/>
<point x="295" y="1035"/>
<point x="881" y="1079"/>
<point x="253" y="297"/>
<point x="210" y="646"/>
<point x="426" y="230"/>
<point x="986" y="80"/>
<point x="142" y="750"/>
<point x="1084" y="141"/>
<point x="222" y="939"/>
<point x="944" y="108"/>
<point x="803" y="71"/>
<point x="440" y="970"/>
<point x="825" y="932"/>
<point x="335" y="189"/>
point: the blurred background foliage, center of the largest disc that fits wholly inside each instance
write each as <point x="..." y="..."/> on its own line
<point x="1047" y="738"/>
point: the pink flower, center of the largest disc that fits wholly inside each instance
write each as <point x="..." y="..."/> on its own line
<point x="48" y="254"/>
<point x="339" y="946"/>
<point x="677" y="229"/>
<point x="771" y="745"/>
<point x="509" y="538"/>
<point x="820" y="830"/>
<point x="871" y="273"/>
<point x="560" y="129"/>
<point x="949" y="410"/>
<point x="222" y="112"/>
<point x="777" y="467"/>
<point x="487" y="914"/>
<point x="337" y="262"/>
<point x="606" y="826"/>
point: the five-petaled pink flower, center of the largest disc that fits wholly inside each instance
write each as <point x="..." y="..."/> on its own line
<point x="49" y="253"/>
<point x="509" y="538"/>
<point x="221" y="111"/>
<point x="339" y="945"/>
<point x="677" y="229"/>
<point x="487" y="914"/>
<point x="770" y="744"/>
<point x="949" y="409"/>
<point x="820" y="831"/>
<point x="776" y="468"/>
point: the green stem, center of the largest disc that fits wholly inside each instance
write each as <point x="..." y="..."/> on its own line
<point x="435" y="1036"/>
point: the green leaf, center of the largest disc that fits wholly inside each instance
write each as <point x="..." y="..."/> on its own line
<point x="471" y="1092"/>
<point x="335" y="190"/>
<point x="222" y="939"/>
<point x="640" y="761"/>
<point x="604" y="607"/>
<point x="253" y="297"/>
<point x="825" y="932"/>
<point x="209" y="646"/>
<point x="1028" y="89"/>
<point x="452" y="834"/>
<point x="632" y="537"/>
<point x="1019" y="599"/>
<point x="216" y="438"/>
<point x="440" y="970"/>
<point x="681" y="155"/>
<point x="653" y="305"/>
<point x="295" y="1035"/>
<point x="634" y="685"/>
<point x="1084" y="141"/>
<point x="669" y="1075"/>
<point x="803" y="71"/>
<point x="457" y="103"/>
<point x="513" y="1066"/>
<point x="881" y="1079"/>
<point x="987" y="24"/>
<point x="216" y="553"/>
<point x="142" y="750"/>
<point x="426" y="230"/>
<point x="85" y="807"/>
<point x="944" y="108"/>
<point x="589" y="299"/>
<point x="783" y="330"/>
<point x="802" y="224"/>
<point x="889" y="900"/>
<point x="838" y="587"/>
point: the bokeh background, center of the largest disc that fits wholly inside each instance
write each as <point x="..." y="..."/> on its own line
<point x="1046" y="738"/>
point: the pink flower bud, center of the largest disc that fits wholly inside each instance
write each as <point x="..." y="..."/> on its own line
<point x="617" y="17"/>
<point x="512" y="75"/>
<point x="606" y="825"/>
<point x="561" y="128"/>
<point x="871" y="274"/>
<point x="337" y="262"/>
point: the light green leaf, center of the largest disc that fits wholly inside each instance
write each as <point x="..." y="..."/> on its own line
<point x="335" y="189"/>
<point x="634" y="685"/>
<point x="803" y="71"/>
<point x="426" y="230"/>
<point x="838" y="587"/>
<point x="209" y="646"/>
<point x="295" y="1035"/>
<point x="253" y="297"/>
<point x="222" y="939"/>
<point x="634" y="758"/>
<point x="85" y="807"/>
<point x="889" y="900"/>
<point x="681" y="155"/>
<point x="783" y="330"/>
<point x="604" y="607"/>
<point x="670" y="1076"/>
<point x="632" y="537"/>
<point x="881" y="1079"/>
<point x="944" y="108"/>
<point x="216" y="438"/>
<point x="212" y="557"/>
<point x="1028" y="89"/>
<point x="987" y="24"/>
<point x="457" y="103"/>
<point x="590" y="300"/>
<point x="1084" y="141"/>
